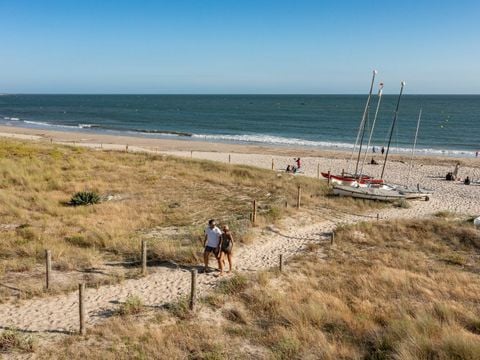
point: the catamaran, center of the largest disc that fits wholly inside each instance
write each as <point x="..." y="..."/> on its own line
<point x="360" y="178"/>
<point x="383" y="193"/>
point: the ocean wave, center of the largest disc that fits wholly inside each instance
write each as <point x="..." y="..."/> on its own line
<point x="243" y="138"/>
<point x="270" y="139"/>
<point x="279" y="140"/>
<point x="41" y="123"/>
<point x="163" y="132"/>
<point x="88" y="126"/>
<point x="37" y="123"/>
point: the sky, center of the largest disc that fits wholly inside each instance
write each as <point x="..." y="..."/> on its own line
<point x="241" y="46"/>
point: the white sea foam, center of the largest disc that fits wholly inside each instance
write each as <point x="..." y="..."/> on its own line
<point x="278" y="140"/>
<point x="270" y="139"/>
<point x="37" y="123"/>
<point x="41" y="123"/>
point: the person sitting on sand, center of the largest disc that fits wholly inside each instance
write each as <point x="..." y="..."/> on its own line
<point x="226" y="245"/>
<point x="449" y="176"/>
<point x="467" y="181"/>
<point x="289" y="168"/>
<point x="373" y="162"/>
<point x="212" y="244"/>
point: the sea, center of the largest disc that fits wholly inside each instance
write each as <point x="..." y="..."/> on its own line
<point x="450" y="124"/>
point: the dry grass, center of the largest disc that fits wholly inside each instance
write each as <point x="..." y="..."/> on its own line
<point x="12" y="341"/>
<point x="384" y="292"/>
<point x="147" y="192"/>
<point x="163" y="199"/>
<point x="132" y="306"/>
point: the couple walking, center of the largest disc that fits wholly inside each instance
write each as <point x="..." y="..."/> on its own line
<point x="219" y="243"/>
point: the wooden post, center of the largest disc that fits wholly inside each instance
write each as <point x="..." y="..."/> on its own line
<point x="280" y="262"/>
<point x="48" y="268"/>
<point x="378" y="217"/>
<point x="332" y="238"/>
<point x="286" y="203"/>
<point x="299" y="193"/>
<point x="343" y="172"/>
<point x="254" y="212"/>
<point x="126" y="148"/>
<point x="318" y="170"/>
<point x="328" y="178"/>
<point x="191" y="154"/>
<point x="81" y="307"/>
<point x="101" y="146"/>
<point x="193" y="290"/>
<point x="51" y="140"/>
<point x="229" y="158"/>
<point x="144" y="257"/>
<point x="273" y="164"/>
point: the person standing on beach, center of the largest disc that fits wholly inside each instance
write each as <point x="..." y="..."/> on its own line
<point x="299" y="163"/>
<point x="212" y="244"/>
<point x="383" y="150"/>
<point x="226" y="244"/>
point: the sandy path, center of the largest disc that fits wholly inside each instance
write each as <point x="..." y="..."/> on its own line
<point x="59" y="314"/>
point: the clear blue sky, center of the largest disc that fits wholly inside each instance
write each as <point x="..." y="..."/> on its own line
<point x="240" y="46"/>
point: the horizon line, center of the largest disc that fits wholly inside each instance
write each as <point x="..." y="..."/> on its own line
<point x="234" y="94"/>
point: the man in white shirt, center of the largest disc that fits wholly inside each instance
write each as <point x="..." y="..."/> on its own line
<point x="212" y="244"/>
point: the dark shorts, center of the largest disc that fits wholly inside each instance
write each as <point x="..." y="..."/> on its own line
<point x="227" y="250"/>
<point x="209" y="249"/>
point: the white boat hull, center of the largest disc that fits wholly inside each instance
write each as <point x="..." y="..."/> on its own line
<point x="414" y="193"/>
<point x="368" y="193"/>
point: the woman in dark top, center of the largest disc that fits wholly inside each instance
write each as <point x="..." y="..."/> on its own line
<point x="227" y="247"/>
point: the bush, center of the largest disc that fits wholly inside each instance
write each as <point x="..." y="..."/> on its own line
<point x="85" y="198"/>
<point x="234" y="285"/>
<point x="402" y="204"/>
<point x="11" y="340"/>
<point x="133" y="305"/>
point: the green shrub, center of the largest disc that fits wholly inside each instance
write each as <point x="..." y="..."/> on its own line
<point x="11" y="340"/>
<point x="133" y="305"/>
<point x="85" y="198"/>
<point x="402" y="204"/>
<point x="234" y="285"/>
<point x="444" y="214"/>
<point x="180" y="308"/>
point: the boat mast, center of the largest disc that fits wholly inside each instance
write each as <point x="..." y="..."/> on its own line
<point x="391" y="130"/>
<point x="362" y="123"/>
<point x="380" y="90"/>
<point x="413" y="148"/>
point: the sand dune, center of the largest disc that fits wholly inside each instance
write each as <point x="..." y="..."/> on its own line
<point x="57" y="314"/>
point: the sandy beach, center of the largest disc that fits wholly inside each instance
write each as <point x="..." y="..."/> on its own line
<point x="429" y="172"/>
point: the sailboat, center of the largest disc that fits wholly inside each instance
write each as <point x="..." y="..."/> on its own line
<point x="407" y="190"/>
<point x="356" y="178"/>
<point x="385" y="193"/>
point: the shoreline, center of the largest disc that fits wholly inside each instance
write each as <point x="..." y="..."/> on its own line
<point x="261" y="141"/>
<point x="140" y="143"/>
